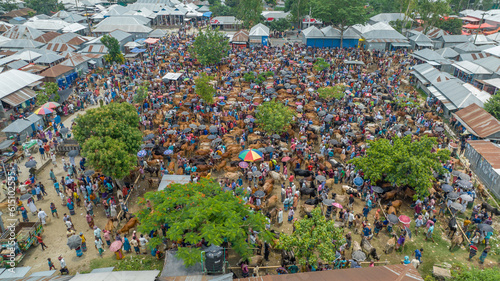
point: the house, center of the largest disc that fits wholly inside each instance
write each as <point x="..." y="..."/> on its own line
<point x="450" y="40"/>
<point x="49" y="59"/>
<point x="136" y="25"/>
<point x="24" y="12"/>
<point x="47" y="37"/>
<point x="17" y="44"/>
<point x="491" y="86"/>
<point x="478" y="122"/>
<point x="466" y="47"/>
<point x="484" y="161"/>
<point x="490" y="63"/>
<point x="240" y="39"/>
<point x="420" y="41"/>
<point x="313" y="37"/>
<point x="425" y="75"/>
<point x="259" y="35"/>
<point x="62" y="74"/>
<point x="389" y="17"/>
<point x="16" y="87"/>
<point x="79" y="62"/>
<point x="47" y="25"/>
<point x="24" y="127"/>
<point x="274" y="15"/>
<point x="455" y="94"/>
<point x="23" y="32"/>
<point x="472" y="56"/>
<point x="381" y="36"/>
<point x="448" y="53"/>
<point x="226" y="23"/>
<point x="467" y="71"/>
<point x="158" y="33"/>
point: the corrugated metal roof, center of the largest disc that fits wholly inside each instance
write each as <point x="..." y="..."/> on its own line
<point x="41" y="278"/>
<point x="14" y="80"/>
<point x="488" y="151"/>
<point x="17" y="64"/>
<point x="471" y="68"/>
<point x="69" y="38"/>
<point x="23" y="32"/>
<point x="47" y="37"/>
<point x="19" y="97"/>
<point x="466" y="47"/>
<point x="478" y="121"/>
<point x="75" y="60"/>
<point x="60" y="47"/>
<point x="397" y="272"/>
<point x="34" y="68"/>
<point x="259" y="30"/>
<point x="453" y="38"/>
<point x="131" y="24"/>
<point x="95" y="48"/>
<point x="241" y="36"/>
<point x="387" y="41"/>
<point x="20" y="44"/>
<point x="56" y="71"/>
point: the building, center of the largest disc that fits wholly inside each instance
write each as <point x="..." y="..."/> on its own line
<point x="484" y="161"/>
<point x="450" y="40"/>
<point x="259" y="35"/>
<point x="136" y="25"/>
<point x="61" y="74"/>
<point x="389" y="17"/>
<point x="468" y="71"/>
<point x="478" y="122"/>
<point x="240" y="39"/>
<point x="16" y="87"/>
<point x="227" y="23"/>
<point x="420" y="41"/>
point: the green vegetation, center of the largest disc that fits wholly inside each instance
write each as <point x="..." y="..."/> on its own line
<point x="452" y="25"/>
<point x="312" y="239"/>
<point x="403" y="162"/>
<point x="210" y="46"/>
<point x="48" y="7"/>
<point x="114" y="53"/>
<point x="274" y="117"/>
<point x="320" y="64"/>
<point x="50" y="93"/>
<point x="493" y="105"/>
<point x="279" y="25"/>
<point x="201" y="210"/>
<point x="131" y="262"/>
<point x="204" y="89"/>
<point x="335" y="92"/>
<point x="142" y="93"/>
<point x="110" y="138"/>
<point x="249" y="12"/>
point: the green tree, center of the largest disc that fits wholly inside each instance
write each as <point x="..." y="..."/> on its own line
<point x="201" y="210"/>
<point x="271" y="3"/>
<point x="335" y="92"/>
<point x="109" y="155"/>
<point x="320" y="64"/>
<point x="340" y="13"/>
<point x="49" y="93"/>
<point x="451" y="25"/>
<point x="204" y="89"/>
<point x="493" y="105"/>
<point x="314" y="239"/>
<point x="430" y="11"/>
<point x="116" y="120"/>
<point x="298" y="9"/>
<point x="142" y="93"/>
<point x="403" y="162"/>
<point x="8" y="5"/>
<point x="114" y="53"/>
<point x="274" y="117"/>
<point x="249" y="76"/>
<point x="232" y="3"/>
<point x="221" y="10"/>
<point x="48" y="7"/>
<point x="210" y="46"/>
<point x="398" y="25"/>
<point x="279" y="25"/>
<point x="249" y="11"/>
<point x="462" y="272"/>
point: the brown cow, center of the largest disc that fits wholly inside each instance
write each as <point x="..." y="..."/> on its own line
<point x="391" y="210"/>
<point x="109" y="225"/>
<point x="409" y="193"/>
<point x="203" y="152"/>
<point x="457" y="240"/>
<point x="396" y="204"/>
<point x="390" y="195"/>
<point x="268" y="188"/>
<point x="271" y="202"/>
<point x="203" y="168"/>
<point x="129" y="225"/>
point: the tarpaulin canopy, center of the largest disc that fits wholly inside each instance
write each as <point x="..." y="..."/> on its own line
<point x="151" y="40"/>
<point x="172" y="76"/>
<point x="137" y="50"/>
<point x="476" y="26"/>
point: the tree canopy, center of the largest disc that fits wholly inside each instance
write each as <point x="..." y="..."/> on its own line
<point x="201" y="210"/>
<point x="210" y="46"/>
<point x="464" y="273"/>
<point x="451" y="25"/>
<point x="114" y="53"/>
<point x="114" y="125"/>
<point x="335" y="92"/>
<point x="274" y="117"/>
<point x="493" y="105"/>
<point x="341" y="13"/>
<point x="49" y="93"/>
<point x="297" y="9"/>
<point x="320" y="64"/>
<point x="48" y="7"/>
<point x="430" y="11"/>
<point x="403" y="162"/>
<point x="249" y="11"/>
<point x="279" y="25"/>
<point x="142" y="93"/>
<point x="204" y="89"/>
<point x="314" y="239"/>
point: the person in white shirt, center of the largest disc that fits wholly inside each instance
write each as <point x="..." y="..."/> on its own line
<point x="42" y="216"/>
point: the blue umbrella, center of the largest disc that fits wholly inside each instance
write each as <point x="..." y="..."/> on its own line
<point x="222" y="103"/>
<point x="207" y="14"/>
<point x="141" y="153"/>
<point x="228" y="83"/>
<point x="358" y="181"/>
<point x="168" y="152"/>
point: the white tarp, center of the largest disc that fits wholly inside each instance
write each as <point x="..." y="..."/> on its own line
<point x="146" y="275"/>
<point x="168" y="179"/>
<point x="172" y="76"/>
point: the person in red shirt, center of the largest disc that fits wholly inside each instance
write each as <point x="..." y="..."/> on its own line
<point x="40" y="241"/>
<point x="290" y="179"/>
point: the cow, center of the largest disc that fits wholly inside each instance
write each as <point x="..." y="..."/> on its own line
<point x="389" y="246"/>
<point x="271" y="202"/>
<point x="129" y="225"/>
<point x="457" y="240"/>
<point x="489" y="208"/>
<point x="452" y="226"/>
<point x="308" y="191"/>
<point x="253" y="261"/>
<point x="277" y="176"/>
<point x="302" y="173"/>
<point x="390" y="195"/>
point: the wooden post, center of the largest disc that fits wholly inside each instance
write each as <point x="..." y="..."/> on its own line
<point x="461" y="230"/>
<point x="128" y="196"/>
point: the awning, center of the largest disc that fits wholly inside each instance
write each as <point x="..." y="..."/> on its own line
<point x="133" y="55"/>
<point x="137" y="50"/>
<point x="172" y="76"/>
<point x="19" y="96"/>
<point x="152" y="40"/>
<point x="424" y="44"/>
<point x="6" y="144"/>
<point x="92" y="62"/>
<point x="354" y="62"/>
<point x="469" y="19"/>
<point x="400" y="44"/>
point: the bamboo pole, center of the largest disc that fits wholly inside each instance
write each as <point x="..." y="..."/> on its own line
<point x="128" y="196"/>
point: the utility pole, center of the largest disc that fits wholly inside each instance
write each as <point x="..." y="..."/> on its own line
<point x="479" y="29"/>
<point x="298" y="15"/>
<point x="309" y="22"/>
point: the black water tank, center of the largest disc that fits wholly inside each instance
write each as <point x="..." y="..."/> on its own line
<point x="214" y="258"/>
